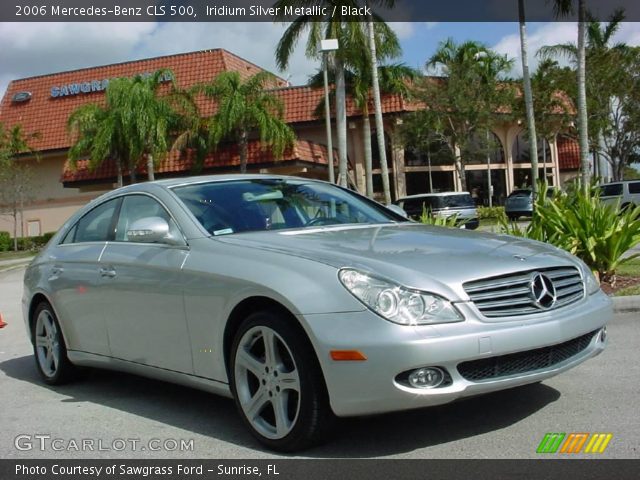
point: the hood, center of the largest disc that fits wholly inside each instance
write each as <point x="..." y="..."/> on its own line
<point x="415" y="255"/>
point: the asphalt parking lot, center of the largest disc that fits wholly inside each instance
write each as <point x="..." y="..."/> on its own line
<point x="123" y="416"/>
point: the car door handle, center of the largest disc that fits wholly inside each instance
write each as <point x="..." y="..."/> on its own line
<point x="107" y="272"/>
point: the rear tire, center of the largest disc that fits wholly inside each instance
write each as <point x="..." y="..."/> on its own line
<point x="49" y="348"/>
<point x="277" y="383"/>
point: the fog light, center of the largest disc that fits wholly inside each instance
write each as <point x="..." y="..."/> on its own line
<point x="430" y="377"/>
<point x="603" y="334"/>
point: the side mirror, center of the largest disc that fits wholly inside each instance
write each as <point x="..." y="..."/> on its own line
<point x="149" y="230"/>
<point x="397" y="210"/>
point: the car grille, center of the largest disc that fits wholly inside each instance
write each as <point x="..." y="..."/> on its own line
<point x="523" y="362"/>
<point x="511" y="295"/>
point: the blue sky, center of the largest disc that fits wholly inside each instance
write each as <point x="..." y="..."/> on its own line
<point x="38" y="48"/>
<point x="425" y="40"/>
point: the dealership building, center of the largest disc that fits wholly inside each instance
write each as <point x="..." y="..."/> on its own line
<point x="42" y="105"/>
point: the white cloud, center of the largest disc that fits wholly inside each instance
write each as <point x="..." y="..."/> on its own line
<point x="629" y="33"/>
<point x="546" y="34"/>
<point x="404" y="30"/>
<point x="554" y="33"/>
<point x="38" y="48"/>
<point x="255" y="42"/>
<point x="33" y="49"/>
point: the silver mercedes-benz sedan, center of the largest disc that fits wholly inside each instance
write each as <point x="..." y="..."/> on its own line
<point x="303" y="301"/>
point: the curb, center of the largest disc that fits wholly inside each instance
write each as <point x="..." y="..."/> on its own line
<point x="630" y="303"/>
<point x="13" y="266"/>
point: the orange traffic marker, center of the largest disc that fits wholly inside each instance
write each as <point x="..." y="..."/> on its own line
<point x="2" y="322"/>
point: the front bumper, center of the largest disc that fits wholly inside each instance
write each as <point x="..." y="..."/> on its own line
<point x="369" y="387"/>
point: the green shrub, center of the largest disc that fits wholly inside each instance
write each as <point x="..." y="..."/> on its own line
<point x="581" y="224"/>
<point x="491" y="213"/>
<point x="428" y="219"/>
<point x="5" y="242"/>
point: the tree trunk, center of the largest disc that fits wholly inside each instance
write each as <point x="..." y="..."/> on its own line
<point x="133" y="175"/>
<point x="457" y="159"/>
<point x="15" y="228"/>
<point x="528" y="97"/>
<point x="585" y="164"/>
<point x="119" y="168"/>
<point x="150" y="168"/>
<point x="327" y="118"/>
<point x="244" y="147"/>
<point x="368" y="163"/>
<point x="378" y="111"/>
<point x="341" y="123"/>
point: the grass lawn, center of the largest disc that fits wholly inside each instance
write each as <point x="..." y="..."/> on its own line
<point x="623" y="292"/>
<point x="629" y="269"/>
<point x="15" y="255"/>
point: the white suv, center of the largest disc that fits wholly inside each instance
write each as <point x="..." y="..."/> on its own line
<point x="625" y="194"/>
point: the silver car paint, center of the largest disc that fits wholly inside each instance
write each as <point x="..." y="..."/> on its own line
<point x="184" y="296"/>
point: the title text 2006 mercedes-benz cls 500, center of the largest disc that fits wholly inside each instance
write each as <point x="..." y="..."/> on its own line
<point x="303" y="300"/>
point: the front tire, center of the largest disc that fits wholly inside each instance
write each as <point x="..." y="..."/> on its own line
<point x="277" y="383"/>
<point x="49" y="348"/>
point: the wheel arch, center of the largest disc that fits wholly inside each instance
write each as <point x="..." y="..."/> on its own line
<point x="37" y="299"/>
<point x="255" y="304"/>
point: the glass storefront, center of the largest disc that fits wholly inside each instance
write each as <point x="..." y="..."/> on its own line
<point x="478" y="186"/>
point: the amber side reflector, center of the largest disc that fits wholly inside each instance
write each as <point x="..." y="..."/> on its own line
<point x="347" y="356"/>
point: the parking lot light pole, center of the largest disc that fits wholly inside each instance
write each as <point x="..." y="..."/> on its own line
<point x="327" y="46"/>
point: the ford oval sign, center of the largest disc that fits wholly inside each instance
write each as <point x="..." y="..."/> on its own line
<point x="21" y="97"/>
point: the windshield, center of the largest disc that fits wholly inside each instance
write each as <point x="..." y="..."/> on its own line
<point x="454" y="201"/>
<point x="271" y="204"/>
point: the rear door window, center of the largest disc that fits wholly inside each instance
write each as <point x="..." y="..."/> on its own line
<point x="611" y="190"/>
<point x="95" y="226"/>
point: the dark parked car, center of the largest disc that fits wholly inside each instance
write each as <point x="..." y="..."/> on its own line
<point x="520" y="203"/>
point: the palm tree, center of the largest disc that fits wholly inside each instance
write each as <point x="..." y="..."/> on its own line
<point x="562" y="8"/>
<point x="192" y="129"/>
<point x="528" y="96"/>
<point x="100" y="131"/>
<point x="393" y="78"/>
<point x="244" y="107"/>
<point x="348" y="33"/>
<point x="150" y="119"/>
<point x="378" y="104"/>
<point x="594" y="48"/>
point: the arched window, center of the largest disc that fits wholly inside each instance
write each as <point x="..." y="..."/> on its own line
<point x="436" y="153"/>
<point x="481" y="146"/>
<point x="521" y="149"/>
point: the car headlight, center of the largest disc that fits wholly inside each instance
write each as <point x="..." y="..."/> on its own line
<point x="397" y="303"/>
<point x="590" y="282"/>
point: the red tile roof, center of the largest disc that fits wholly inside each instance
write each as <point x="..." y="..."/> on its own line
<point x="301" y="102"/>
<point x="48" y="115"/>
<point x="225" y="158"/>
<point x="568" y="153"/>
